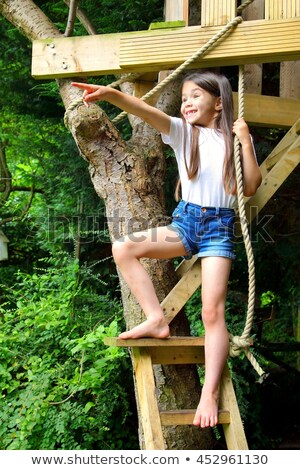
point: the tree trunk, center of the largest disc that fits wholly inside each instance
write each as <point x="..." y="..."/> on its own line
<point x="129" y="177"/>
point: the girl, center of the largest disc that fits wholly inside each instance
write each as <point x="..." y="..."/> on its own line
<point x="203" y="220"/>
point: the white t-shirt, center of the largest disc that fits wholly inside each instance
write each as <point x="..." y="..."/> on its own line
<point x="207" y="188"/>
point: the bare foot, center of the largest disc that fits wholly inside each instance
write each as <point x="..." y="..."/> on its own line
<point x="207" y="411"/>
<point x="148" y="329"/>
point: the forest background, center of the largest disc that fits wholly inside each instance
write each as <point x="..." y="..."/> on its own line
<point x="61" y="388"/>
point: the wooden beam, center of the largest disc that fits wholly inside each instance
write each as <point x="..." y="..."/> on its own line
<point x="269" y="111"/>
<point x="186" y="417"/>
<point x="171" y="342"/>
<point x="142" y="51"/>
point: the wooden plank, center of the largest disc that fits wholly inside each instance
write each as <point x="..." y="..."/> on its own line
<point x="177" y="10"/>
<point x="148" y="406"/>
<point x="185" y="417"/>
<point x="262" y="41"/>
<point x="142" y="51"/>
<point x="153" y="342"/>
<point x="182" y="291"/>
<point x="217" y="12"/>
<point x="270" y="111"/>
<point x="234" y="431"/>
<point x="177" y="355"/>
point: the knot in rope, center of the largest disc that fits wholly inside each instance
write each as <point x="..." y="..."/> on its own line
<point x="238" y="344"/>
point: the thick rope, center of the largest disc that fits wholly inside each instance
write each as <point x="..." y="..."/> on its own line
<point x="239" y="344"/>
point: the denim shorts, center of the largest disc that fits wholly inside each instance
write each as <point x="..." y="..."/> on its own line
<point x="205" y="231"/>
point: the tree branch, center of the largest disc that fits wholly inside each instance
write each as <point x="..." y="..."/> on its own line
<point x="71" y="18"/>
<point x="83" y="20"/>
<point x="5" y="176"/>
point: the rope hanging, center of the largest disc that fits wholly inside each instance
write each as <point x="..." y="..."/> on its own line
<point x="238" y="344"/>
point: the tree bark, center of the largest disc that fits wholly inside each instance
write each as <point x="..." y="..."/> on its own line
<point x="129" y="177"/>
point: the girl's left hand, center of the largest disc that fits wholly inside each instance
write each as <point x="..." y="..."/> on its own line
<point x="241" y="130"/>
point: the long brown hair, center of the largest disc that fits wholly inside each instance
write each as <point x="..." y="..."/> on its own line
<point x="219" y="87"/>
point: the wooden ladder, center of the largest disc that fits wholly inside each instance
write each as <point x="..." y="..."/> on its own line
<point x="176" y="350"/>
<point x="146" y="352"/>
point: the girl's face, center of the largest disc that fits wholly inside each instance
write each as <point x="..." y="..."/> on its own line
<point x="198" y="106"/>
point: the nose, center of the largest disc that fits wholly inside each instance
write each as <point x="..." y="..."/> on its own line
<point x="188" y="102"/>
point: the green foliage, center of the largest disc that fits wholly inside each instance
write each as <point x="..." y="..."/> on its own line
<point x="61" y="388"/>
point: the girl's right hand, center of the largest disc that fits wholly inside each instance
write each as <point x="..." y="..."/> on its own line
<point x="91" y="92"/>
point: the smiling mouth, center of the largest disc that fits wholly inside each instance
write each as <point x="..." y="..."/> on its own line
<point x="190" y="113"/>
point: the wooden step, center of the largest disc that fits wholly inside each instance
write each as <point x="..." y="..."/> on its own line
<point x="172" y="350"/>
<point x="185" y="417"/>
<point x="166" y="342"/>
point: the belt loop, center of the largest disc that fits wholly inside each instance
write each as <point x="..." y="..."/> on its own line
<point x="217" y="211"/>
<point x="185" y="206"/>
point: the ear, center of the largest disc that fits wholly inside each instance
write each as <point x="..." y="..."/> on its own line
<point x="218" y="105"/>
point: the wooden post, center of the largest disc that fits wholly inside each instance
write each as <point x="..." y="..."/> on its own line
<point x="234" y="433"/>
<point x="177" y="10"/>
<point x="147" y="401"/>
<point x="289" y="71"/>
<point x="174" y="10"/>
<point x="217" y="12"/>
<point x="253" y="72"/>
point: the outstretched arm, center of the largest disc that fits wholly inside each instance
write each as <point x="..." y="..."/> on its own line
<point x="251" y="171"/>
<point x="132" y="105"/>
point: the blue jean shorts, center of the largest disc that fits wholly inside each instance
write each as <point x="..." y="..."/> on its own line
<point x="205" y="231"/>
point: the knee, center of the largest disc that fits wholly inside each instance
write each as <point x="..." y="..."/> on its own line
<point x="121" y="251"/>
<point x="212" y="315"/>
<point x="118" y="250"/>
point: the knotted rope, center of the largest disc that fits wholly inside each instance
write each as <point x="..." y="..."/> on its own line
<point x="239" y="344"/>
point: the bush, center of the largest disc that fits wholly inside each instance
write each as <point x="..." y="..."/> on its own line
<point x="61" y="388"/>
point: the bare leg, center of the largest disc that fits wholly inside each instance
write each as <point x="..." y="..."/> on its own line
<point x="215" y="275"/>
<point x="158" y="243"/>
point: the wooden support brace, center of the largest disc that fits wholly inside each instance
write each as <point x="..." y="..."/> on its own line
<point x="287" y="143"/>
<point x="148" y="406"/>
<point x="182" y="291"/>
<point x="274" y="179"/>
<point x="234" y="433"/>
